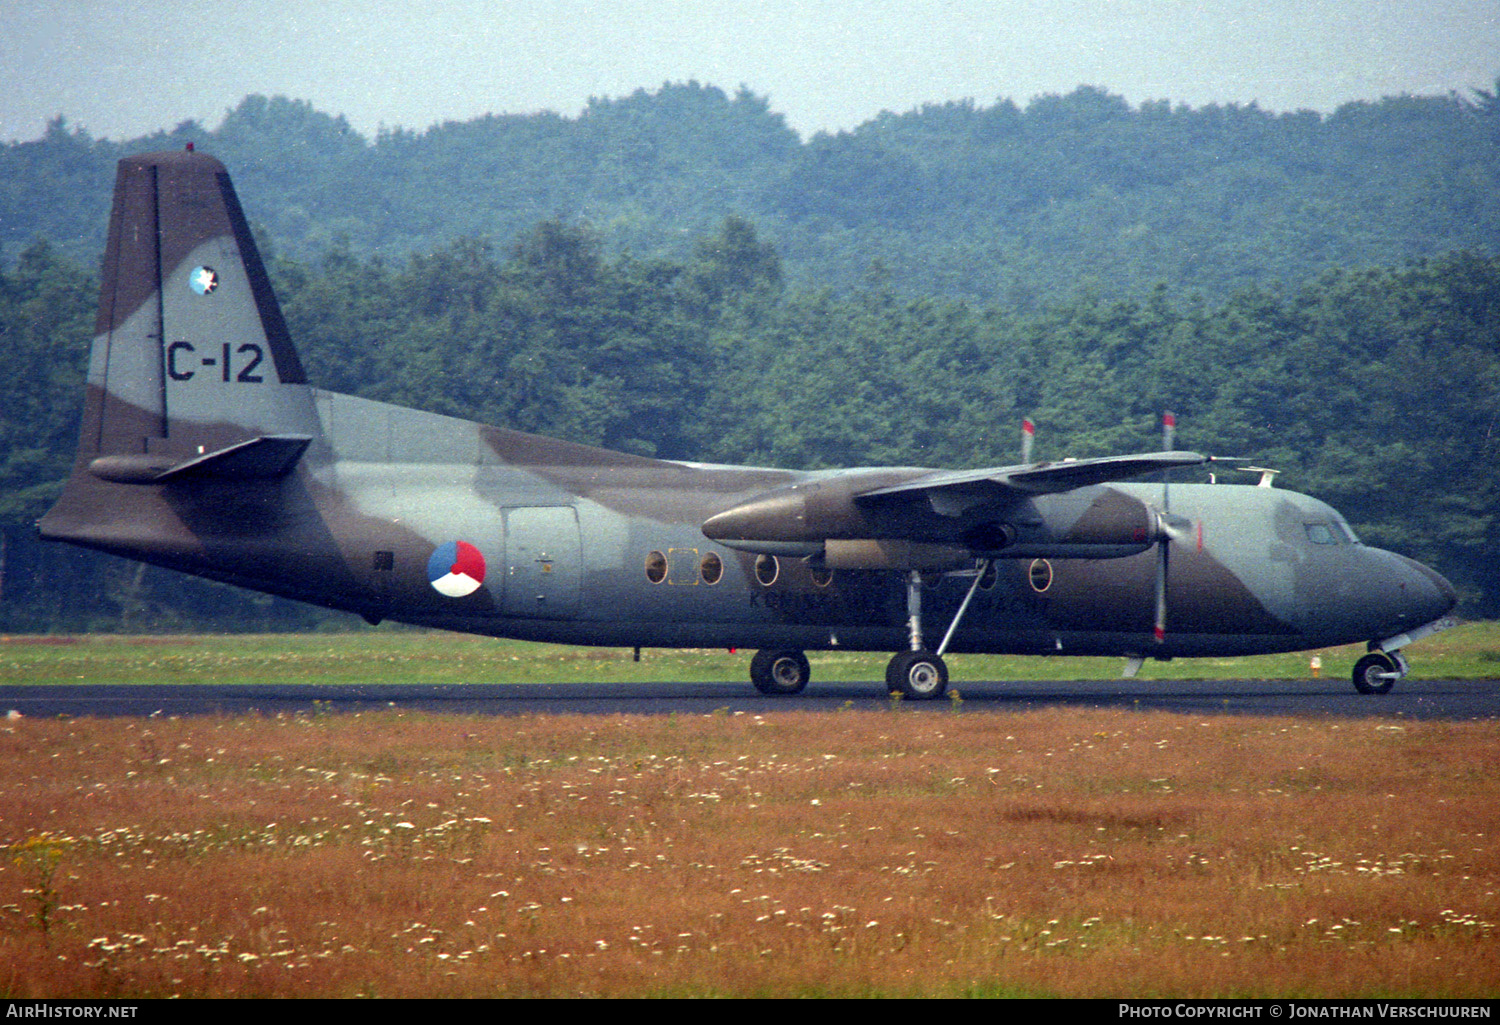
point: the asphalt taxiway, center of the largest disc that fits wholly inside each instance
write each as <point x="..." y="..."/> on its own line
<point x="1411" y="698"/>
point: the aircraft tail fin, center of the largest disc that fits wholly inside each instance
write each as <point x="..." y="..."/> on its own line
<point x="191" y="354"/>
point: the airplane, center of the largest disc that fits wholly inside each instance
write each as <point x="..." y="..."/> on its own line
<point x="204" y="449"/>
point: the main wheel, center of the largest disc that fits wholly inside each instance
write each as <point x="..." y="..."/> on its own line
<point x="779" y="672"/>
<point x="919" y="675"/>
<point x="1375" y="673"/>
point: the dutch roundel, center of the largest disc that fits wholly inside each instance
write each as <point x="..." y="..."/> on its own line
<point x="456" y="569"/>
<point x="203" y="280"/>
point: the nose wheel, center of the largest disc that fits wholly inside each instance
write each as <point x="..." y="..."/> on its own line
<point x="1378" y="672"/>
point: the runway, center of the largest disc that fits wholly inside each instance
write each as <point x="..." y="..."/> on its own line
<point x="1410" y="699"/>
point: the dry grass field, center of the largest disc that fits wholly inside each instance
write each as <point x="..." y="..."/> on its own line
<point x="870" y="853"/>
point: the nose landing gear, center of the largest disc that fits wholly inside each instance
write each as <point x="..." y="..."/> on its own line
<point x="1378" y="672"/>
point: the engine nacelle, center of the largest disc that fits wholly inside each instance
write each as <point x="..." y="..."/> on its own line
<point x="834" y="520"/>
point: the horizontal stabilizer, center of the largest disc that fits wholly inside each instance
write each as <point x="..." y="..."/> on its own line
<point x="265" y="458"/>
<point x="1041" y="478"/>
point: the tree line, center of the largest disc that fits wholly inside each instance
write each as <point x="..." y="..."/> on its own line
<point x="1377" y="388"/>
<point x="1010" y="204"/>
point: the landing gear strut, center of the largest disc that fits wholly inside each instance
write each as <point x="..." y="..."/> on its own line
<point x="918" y="673"/>
<point x="921" y="674"/>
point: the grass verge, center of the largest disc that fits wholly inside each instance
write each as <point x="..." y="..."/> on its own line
<point x="407" y="656"/>
<point x="855" y="853"/>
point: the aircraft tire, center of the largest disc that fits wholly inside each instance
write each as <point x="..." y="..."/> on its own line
<point x="1369" y="673"/>
<point x="918" y="675"/>
<point x="779" y="671"/>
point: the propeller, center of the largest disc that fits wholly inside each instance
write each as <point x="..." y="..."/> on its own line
<point x="1167" y="531"/>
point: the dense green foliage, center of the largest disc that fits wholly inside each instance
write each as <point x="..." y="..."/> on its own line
<point x="998" y="204"/>
<point x="1377" y="389"/>
<point x="1320" y="294"/>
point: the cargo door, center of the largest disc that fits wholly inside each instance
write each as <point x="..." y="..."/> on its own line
<point x="544" y="558"/>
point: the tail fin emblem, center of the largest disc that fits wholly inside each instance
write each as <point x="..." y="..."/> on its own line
<point x="203" y="280"/>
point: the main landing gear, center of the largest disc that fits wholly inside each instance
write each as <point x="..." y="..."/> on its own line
<point x="918" y="674"/>
<point x="779" y="672"/>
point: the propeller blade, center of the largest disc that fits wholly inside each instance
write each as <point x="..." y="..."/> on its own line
<point x="1028" y="435"/>
<point x="1168" y="436"/>
<point x="1165" y="531"/>
<point x="1163" y="547"/>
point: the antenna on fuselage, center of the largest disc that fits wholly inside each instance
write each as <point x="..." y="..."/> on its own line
<point x="1266" y="475"/>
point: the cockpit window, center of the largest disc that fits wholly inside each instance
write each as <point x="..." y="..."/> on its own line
<point x="1330" y="532"/>
<point x="1320" y="534"/>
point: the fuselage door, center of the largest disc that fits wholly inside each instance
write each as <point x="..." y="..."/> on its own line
<point x="543" y="558"/>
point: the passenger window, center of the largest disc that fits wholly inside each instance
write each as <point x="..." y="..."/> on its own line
<point x="1040" y="575"/>
<point x="989" y="577"/>
<point x="711" y="569"/>
<point x="767" y="569"/>
<point x="656" y="567"/>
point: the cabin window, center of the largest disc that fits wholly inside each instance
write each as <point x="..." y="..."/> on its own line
<point x="1040" y="575"/>
<point x="656" y="567"/>
<point x="767" y="569"/>
<point x="989" y="577"/>
<point x="822" y="577"/>
<point x="711" y="568"/>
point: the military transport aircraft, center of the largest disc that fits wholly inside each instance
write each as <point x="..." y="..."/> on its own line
<point x="204" y="449"/>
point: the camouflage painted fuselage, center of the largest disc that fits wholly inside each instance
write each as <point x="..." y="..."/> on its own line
<point x="205" y="450"/>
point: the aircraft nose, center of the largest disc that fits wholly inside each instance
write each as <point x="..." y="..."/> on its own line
<point x="1428" y="594"/>
<point x="1380" y="594"/>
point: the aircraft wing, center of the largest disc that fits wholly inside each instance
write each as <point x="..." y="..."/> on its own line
<point x="944" y="516"/>
<point x="998" y="483"/>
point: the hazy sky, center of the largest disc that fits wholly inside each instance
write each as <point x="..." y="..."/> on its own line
<point x="122" y="69"/>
